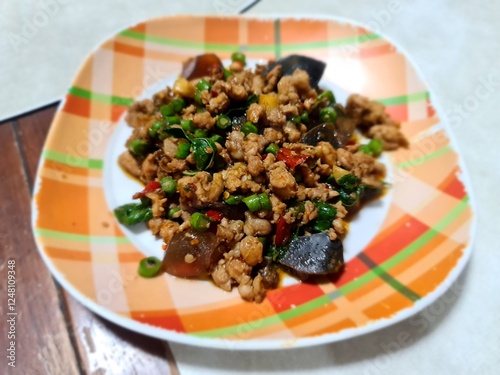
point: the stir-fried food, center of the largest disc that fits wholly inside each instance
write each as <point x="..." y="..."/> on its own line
<point x="250" y="170"/>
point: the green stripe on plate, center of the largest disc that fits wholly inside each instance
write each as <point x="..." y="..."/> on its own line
<point x="268" y="321"/>
<point x="418" y="161"/>
<point x="346" y="289"/>
<point x="331" y="43"/>
<point x="74" y="161"/>
<point x="427" y="236"/>
<point x="253" y="48"/>
<point x="104" y="240"/>
<point x="101" y="98"/>
<point x="404" y="99"/>
<point x="389" y="279"/>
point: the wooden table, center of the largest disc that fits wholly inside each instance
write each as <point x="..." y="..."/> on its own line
<point x="54" y="333"/>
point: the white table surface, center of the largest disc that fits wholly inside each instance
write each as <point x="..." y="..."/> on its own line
<point x="455" y="45"/>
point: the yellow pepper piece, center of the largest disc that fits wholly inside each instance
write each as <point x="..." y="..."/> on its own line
<point x="269" y="102"/>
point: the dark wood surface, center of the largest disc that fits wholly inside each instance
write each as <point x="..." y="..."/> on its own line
<point x="54" y="333"/>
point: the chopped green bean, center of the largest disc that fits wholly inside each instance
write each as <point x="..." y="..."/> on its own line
<point x="168" y="185"/>
<point x="173" y="120"/>
<point x="239" y="57"/>
<point x="217" y="138"/>
<point x="197" y="98"/>
<point x="252" y="202"/>
<point x="374" y="147"/>
<point x="233" y="199"/>
<point x="272" y="149"/>
<point x="223" y="122"/>
<point x="139" y="147"/>
<point x="328" y="114"/>
<point x="328" y="95"/>
<point x="304" y="118"/>
<point x="183" y="150"/>
<point x="258" y="202"/>
<point x="265" y="202"/>
<point x="172" y="212"/>
<point x="248" y="128"/>
<point x="203" y="84"/>
<point x="167" y="110"/>
<point x="149" y="267"/>
<point x="154" y="129"/>
<point x="227" y="74"/>
<point x="199" y="221"/>
<point x="177" y="104"/>
<point x="187" y="125"/>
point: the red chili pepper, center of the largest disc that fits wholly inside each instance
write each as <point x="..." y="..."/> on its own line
<point x="291" y="160"/>
<point x="214" y="94"/>
<point x="283" y="233"/>
<point x="214" y="215"/>
<point x="151" y="186"/>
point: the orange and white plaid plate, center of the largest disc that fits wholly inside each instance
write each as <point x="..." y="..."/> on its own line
<point x="422" y="242"/>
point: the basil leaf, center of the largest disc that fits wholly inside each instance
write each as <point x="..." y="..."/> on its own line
<point x="204" y="151"/>
<point x="326" y="215"/>
<point x="133" y="213"/>
<point x="348" y="183"/>
<point x="176" y="131"/>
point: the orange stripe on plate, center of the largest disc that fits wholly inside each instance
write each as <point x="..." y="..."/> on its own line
<point x="242" y="313"/>
<point x="64" y="169"/>
<point x="169" y="320"/>
<point x="452" y="185"/>
<point x="448" y="179"/>
<point x="331" y="328"/>
<point x="388" y="306"/>
<point x="140" y="28"/>
<point x="134" y="257"/>
<point x="128" y="49"/>
<point x="353" y="269"/>
<point x="399" y="239"/>
<point x="366" y="289"/>
<point x="391" y="229"/>
<point x="377" y="50"/>
<point x="67" y="254"/>
<point x="117" y="112"/>
<point x="435" y="276"/>
<point x="415" y="127"/>
<point x="159" y="54"/>
<point x="292" y="31"/>
<point x="414" y="258"/>
<point x="315" y="315"/>
<point x="260" y="32"/>
<point x="77" y="106"/>
<point x="295" y="295"/>
<point x="79" y="274"/>
<point x="431" y="111"/>
<point x="222" y="31"/>
<point x="332" y="318"/>
<point x="68" y="214"/>
<point x="398" y="112"/>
